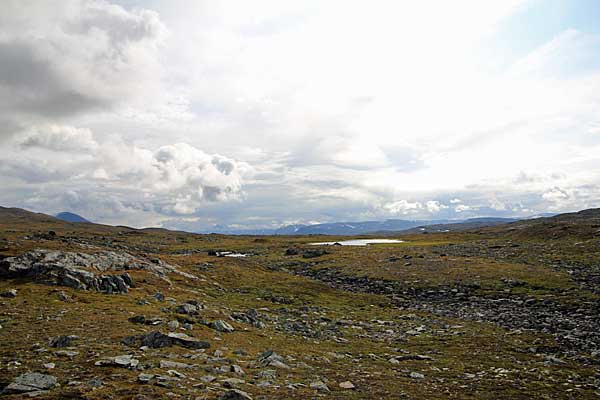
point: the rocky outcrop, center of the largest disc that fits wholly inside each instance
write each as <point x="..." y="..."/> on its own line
<point x="158" y="340"/>
<point x="80" y="270"/>
<point x="252" y="317"/>
<point x="31" y="382"/>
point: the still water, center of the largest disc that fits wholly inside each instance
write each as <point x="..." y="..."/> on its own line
<point x="358" y="242"/>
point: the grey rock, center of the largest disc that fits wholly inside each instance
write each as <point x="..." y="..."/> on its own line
<point x="235" y="394"/>
<point x="30" y="382"/>
<point x="125" y="361"/>
<point x="218" y="353"/>
<point x="145" y="378"/>
<point x="62" y="341"/>
<point x="95" y="382"/>
<point x="312" y="253"/>
<point x="173" y="364"/>
<point x="157" y="339"/>
<point x="208" y="378"/>
<point x="187" y="308"/>
<point x="128" y="279"/>
<point x="173" y="325"/>
<point x="80" y="270"/>
<point x="346" y="385"/>
<point x="66" y="353"/>
<point x="252" y="317"/>
<point x="236" y="369"/>
<point x="292" y="251"/>
<point x="176" y="373"/>
<point x="9" y="294"/>
<point x="222" y="326"/>
<point x="138" y="319"/>
<point x="320" y="386"/>
<point x="417" y="375"/>
<point x="270" y="358"/>
<point x="64" y="297"/>
<point x="232" y="383"/>
<point x="267" y="374"/>
<point x="411" y="357"/>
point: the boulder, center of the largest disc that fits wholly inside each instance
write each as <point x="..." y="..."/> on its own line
<point x="62" y="341"/>
<point x="9" y="294"/>
<point x="232" y="383"/>
<point x="221" y="326"/>
<point x="157" y="339"/>
<point x="272" y="359"/>
<point x="320" y="386"/>
<point x="138" y="319"/>
<point x="346" y="385"/>
<point x="187" y="308"/>
<point x="292" y="252"/>
<point x="125" y="361"/>
<point x="235" y="394"/>
<point x="30" y="382"/>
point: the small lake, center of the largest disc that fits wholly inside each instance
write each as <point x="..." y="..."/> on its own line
<point x="358" y="242"/>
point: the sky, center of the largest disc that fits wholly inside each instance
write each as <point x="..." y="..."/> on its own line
<point x="207" y="115"/>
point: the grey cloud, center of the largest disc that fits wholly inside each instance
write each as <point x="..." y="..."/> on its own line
<point x="90" y="57"/>
<point x="30" y="171"/>
<point x="31" y="85"/>
<point x="174" y="179"/>
<point x="59" y="138"/>
<point x="118" y="24"/>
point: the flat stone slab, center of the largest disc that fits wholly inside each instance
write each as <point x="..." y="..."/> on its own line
<point x="30" y="382"/>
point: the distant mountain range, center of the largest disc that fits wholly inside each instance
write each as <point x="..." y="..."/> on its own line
<point x="583" y="224"/>
<point x="384" y="228"/>
<point x="71" y="217"/>
<point x="380" y="227"/>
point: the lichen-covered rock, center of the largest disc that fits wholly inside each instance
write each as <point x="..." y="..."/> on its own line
<point x="271" y="359"/>
<point x="222" y="326"/>
<point x="157" y="339"/>
<point x="187" y="308"/>
<point x="80" y="270"/>
<point x="252" y="317"/>
<point x="30" y="382"/>
<point x="125" y="361"/>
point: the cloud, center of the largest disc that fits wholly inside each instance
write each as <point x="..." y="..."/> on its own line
<point x="145" y="114"/>
<point x="82" y="56"/>
<point x="172" y="179"/>
<point x="434" y="206"/>
<point x="59" y="138"/>
<point x="556" y="194"/>
<point x="462" y="208"/>
<point x="403" y="207"/>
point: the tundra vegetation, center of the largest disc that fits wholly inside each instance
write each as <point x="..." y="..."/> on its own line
<point x="92" y="311"/>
